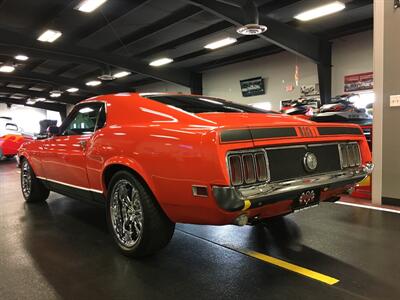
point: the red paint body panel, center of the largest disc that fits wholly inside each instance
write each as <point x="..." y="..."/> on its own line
<point x="170" y="149"/>
<point x="10" y="143"/>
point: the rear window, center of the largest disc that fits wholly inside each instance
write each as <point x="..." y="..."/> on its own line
<point x="200" y="104"/>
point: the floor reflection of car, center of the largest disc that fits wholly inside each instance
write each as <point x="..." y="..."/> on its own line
<point x="10" y="138"/>
<point x="158" y="159"/>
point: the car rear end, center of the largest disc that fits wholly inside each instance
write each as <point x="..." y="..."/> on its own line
<point x="277" y="170"/>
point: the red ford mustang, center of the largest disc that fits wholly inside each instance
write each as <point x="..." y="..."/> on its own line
<point x="158" y="159"/>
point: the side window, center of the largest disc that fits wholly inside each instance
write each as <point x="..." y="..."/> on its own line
<point x="84" y="120"/>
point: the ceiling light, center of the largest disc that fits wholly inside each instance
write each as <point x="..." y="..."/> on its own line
<point x="161" y="61"/>
<point x="93" y="83"/>
<point x="55" y="95"/>
<point x="36" y="88"/>
<point x="121" y="74"/>
<point x="7" y="69"/>
<point x="30" y="101"/>
<point x="320" y="11"/>
<point x="49" y="36"/>
<point x="88" y="6"/>
<point x="72" y="90"/>
<point x="251" y="29"/>
<point x="21" y="57"/>
<point x="40" y="99"/>
<point x="221" y="43"/>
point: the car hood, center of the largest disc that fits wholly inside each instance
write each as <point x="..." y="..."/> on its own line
<point x="237" y="120"/>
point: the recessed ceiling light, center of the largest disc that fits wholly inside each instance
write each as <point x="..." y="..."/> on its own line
<point x="36" y="88"/>
<point x="320" y="11"/>
<point x="93" y="83"/>
<point x="7" y="68"/>
<point x="161" y="61"/>
<point x="221" y="43"/>
<point x="121" y="74"/>
<point x="88" y="6"/>
<point x="21" y="57"/>
<point x="72" y="90"/>
<point x="49" y="36"/>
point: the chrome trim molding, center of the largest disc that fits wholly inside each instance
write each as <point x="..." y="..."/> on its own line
<point x="71" y="185"/>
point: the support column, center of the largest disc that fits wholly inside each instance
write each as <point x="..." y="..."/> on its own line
<point x="386" y="125"/>
<point x="325" y="73"/>
<point x="196" y="83"/>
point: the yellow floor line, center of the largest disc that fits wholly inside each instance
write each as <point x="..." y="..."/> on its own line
<point x="288" y="266"/>
<point x="274" y="261"/>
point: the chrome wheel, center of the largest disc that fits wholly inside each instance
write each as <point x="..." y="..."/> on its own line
<point x="26" y="179"/>
<point x="126" y="213"/>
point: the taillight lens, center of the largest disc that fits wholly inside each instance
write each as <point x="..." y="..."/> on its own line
<point x="248" y="168"/>
<point x="350" y="155"/>
<point x="235" y="165"/>
<point x="261" y="166"/>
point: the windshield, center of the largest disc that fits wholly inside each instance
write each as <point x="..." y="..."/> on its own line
<point x="201" y="104"/>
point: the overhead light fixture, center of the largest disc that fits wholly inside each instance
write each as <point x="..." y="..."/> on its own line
<point x="55" y="95"/>
<point x="121" y="74"/>
<point x="87" y="6"/>
<point x="320" y="11"/>
<point x="30" y="101"/>
<point x="93" y="83"/>
<point x="7" y="68"/>
<point x="221" y="43"/>
<point x="49" y="36"/>
<point x="251" y="29"/>
<point x="21" y="57"/>
<point x="72" y="90"/>
<point x="161" y="61"/>
<point x="40" y="99"/>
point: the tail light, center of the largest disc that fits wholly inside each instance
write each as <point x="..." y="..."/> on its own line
<point x="248" y="167"/>
<point x="349" y="155"/>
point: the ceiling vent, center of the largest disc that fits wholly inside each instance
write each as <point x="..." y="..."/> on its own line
<point x="106" y="77"/>
<point x="251" y="29"/>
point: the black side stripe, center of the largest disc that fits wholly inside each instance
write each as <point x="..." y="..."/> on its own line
<point x="236" y="135"/>
<point x="339" y="130"/>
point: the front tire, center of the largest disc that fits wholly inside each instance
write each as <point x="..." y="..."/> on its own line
<point x="135" y="220"/>
<point x="32" y="188"/>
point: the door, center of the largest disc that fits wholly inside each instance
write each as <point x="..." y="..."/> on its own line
<point x="64" y="161"/>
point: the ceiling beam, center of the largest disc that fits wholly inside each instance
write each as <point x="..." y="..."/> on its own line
<point x="11" y="41"/>
<point x="153" y="28"/>
<point x="291" y="39"/>
<point x="43" y="105"/>
<point x="65" y="98"/>
<point x="57" y="81"/>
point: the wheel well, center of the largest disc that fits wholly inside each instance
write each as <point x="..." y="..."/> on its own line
<point x="112" y="169"/>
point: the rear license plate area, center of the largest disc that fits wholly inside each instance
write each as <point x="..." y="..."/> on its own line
<point x="306" y="199"/>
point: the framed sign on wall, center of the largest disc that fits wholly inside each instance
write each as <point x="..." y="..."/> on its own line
<point x="359" y="82"/>
<point x="252" y="87"/>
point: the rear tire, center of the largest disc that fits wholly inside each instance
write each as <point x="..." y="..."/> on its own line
<point x="32" y="188"/>
<point x="136" y="221"/>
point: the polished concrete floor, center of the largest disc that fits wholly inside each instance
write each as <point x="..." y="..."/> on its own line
<point x="61" y="250"/>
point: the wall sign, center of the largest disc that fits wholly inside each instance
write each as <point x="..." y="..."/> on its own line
<point x="359" y="82"/>
<point x="252" y="87"/>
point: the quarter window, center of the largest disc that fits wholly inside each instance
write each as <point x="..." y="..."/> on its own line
<point x="85" y="120"/>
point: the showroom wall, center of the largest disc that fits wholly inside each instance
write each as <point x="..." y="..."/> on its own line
<point x="28" y="118"/>
<point x="350" y="55"/>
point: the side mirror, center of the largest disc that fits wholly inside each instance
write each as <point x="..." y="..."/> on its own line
<point x="53" y="130"/>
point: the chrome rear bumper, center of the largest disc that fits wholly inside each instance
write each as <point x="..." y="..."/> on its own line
<point x="234" y="199"/>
